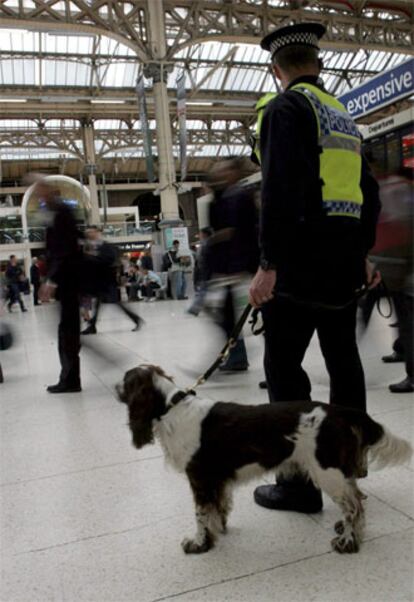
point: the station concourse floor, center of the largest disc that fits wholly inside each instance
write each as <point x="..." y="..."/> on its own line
<point x="88" y="518"/>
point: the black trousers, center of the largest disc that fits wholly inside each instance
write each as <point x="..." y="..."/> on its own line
<point x="404" y="307"/>
<point x="69" y="337"/>
<point x="289" y="327"/>
<point x="36" y="288"/>
<point x="14" y="296"/>
<point x="131" y="315"/>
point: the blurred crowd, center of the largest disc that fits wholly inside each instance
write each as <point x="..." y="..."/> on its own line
<point x="83" y="270"/>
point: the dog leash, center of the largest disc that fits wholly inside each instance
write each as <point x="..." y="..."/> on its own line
<point x="384" y="293"/>
<point x="242" y="320"/>
<point x="360" y="292"/>
<point x="222" y="356"/>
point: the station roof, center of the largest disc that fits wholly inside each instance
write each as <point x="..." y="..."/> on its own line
<point x="54" y="76"/>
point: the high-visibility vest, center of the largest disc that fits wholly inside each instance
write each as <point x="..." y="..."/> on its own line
<point x="340" y="158"/>
<point x="260" y="109"/>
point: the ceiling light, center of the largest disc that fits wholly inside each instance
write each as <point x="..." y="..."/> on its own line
<point x="200" y="103"/>
<point x="13" y="100"/>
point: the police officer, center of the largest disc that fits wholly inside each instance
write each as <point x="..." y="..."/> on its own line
<point x="319" y="211"/>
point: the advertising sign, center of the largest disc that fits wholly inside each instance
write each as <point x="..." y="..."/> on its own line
<point x="180" y="234"/>
<point x="132" y="246"/>
<point x="381" y="90"/>
<point x="391" y="122"/>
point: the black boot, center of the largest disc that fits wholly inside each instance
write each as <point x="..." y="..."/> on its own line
<point x="138" y="323"/>
<point x="62" y="388"/>
<point x="405" y="386"/>
<point x="296" y="494"/>
<point x="393" y="358"/>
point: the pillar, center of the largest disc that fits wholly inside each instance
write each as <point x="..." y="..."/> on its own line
<point x="89" y="151"/>
<point x="157" y="70"/>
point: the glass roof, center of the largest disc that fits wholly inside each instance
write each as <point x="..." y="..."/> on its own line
<point x="96" y="63"/>
<point x="42" y="59"/>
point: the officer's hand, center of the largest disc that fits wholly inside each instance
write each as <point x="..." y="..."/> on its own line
<point x="262" y="286"/>
<point x="373" y="275"/>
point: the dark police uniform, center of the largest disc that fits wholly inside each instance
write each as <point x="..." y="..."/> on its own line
<point x="319" y="258"/>
<point x="316" y="245"/>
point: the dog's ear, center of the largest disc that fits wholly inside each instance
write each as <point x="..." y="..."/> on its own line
<point x="125" y="391"/>
<point x="145" y="403"/>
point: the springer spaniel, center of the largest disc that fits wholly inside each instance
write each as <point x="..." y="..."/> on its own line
<point x="218" y="444"/>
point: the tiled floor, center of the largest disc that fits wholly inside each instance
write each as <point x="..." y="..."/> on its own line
<point x="85" y="517"/>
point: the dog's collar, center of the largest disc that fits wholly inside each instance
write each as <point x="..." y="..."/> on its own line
<point x="179" y="396"/>
<point x="174" y="400"/>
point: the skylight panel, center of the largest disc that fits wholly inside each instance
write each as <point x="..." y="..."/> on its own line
<point x="62" y="123"/>
<point x="16" y="124"/>
<point x="196" y="124"/>
<point x="215" y="80"/>
<point x="110" y="124"/>
<point x="18" y="40"/>
<point x="241" y="79"/>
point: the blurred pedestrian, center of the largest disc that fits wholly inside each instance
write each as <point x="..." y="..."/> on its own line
<point x="35" y="280"/>
<point x="201" y="272"/>
<point x="393" y="255"/>
<point x="232" y="252"/>
<point x="63" y="259"/>
<point x="14" y="278"/>
<point x="100" y="277"/>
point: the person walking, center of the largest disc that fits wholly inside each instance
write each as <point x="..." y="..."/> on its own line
<point x="393" y="254"/>
<point x="99" y="278"/>
<point x="63" y="258"/>
<point x="232" y="252"/>
<point x="201" y="274"/>
<point x="14" y="277"/>
<point x="320" y="207"/>
<point x="35" y="280"/>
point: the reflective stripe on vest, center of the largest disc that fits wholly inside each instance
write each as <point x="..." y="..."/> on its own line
<point x="260" y="110"/>
<point x="340" y="159"/>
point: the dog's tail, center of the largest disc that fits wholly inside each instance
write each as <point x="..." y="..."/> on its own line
<point x="388" y="450"/>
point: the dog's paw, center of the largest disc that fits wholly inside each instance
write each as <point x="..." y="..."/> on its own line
<point x="191" y="546"/>
<point x="339" y="527"/>
<point x="345" y="545"/>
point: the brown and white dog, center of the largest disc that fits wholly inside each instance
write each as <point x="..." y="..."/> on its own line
<point x="219" y="444"/>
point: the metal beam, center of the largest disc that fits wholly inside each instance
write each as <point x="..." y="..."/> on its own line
<point x="191" y="21"/>
<point x="242" y="21"/>
<point x="227" y="57"/>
